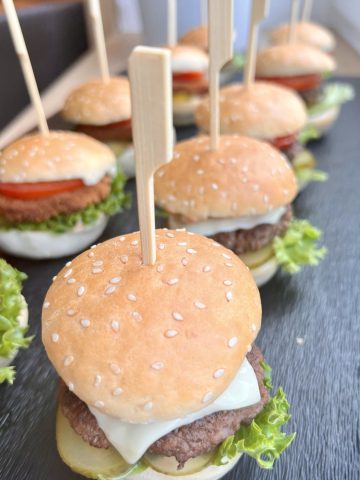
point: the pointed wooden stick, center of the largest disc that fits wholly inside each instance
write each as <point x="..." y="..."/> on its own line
<point x="293" y="20"/>
<point x="172" y="22"/>
<point x="220" y="20"/>
<point x="260" y="10"/>
<point x="203" y="12"/>
<point x="307" y="10"/>
<point x="21" y="50"/>
<point x="99" y="38"/>
<point x="151" y="101"/>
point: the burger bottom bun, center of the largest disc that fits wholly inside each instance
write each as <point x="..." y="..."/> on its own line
<point x="324" y="121"/>
<point x="184" y="111"/>
<point x="265" y="272"/>
<point x="22" y="319"/>
<point x="44" y="245"/>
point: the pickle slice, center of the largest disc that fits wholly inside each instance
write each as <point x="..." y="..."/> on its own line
<point x="84" y="459"/>
<point x="255" y="259"/>
<point x="168" y="465"/>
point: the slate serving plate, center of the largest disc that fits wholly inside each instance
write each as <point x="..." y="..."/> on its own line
<point x="321" y="306"/>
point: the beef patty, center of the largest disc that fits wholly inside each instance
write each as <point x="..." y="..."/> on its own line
<point x="185" y="442"/>
<point x="195" y="87"/>
<point x="312" y="96"/>
<point x="242" y="241"/>
<point x="292" y="151"/>
<point x="15" y="210"/>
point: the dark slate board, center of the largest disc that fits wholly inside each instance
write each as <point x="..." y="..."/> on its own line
<point x="321" y="377"/>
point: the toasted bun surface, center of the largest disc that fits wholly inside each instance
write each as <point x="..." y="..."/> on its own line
<point x="243" y="177"/>
<point x="99" y="103"/>
<point x="306" y="32"/>
<point x="154" y="342"/>
<point x="186" y="58"/>
<point x="263" y="110"/>
<point x="198" y="37"/>
<point x="56" y="156"/>
<point x="293" y="59"/>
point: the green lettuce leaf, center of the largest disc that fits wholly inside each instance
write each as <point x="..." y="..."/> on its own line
<point x="298" y="247"/>
<point x="238" y="60"/>
<point x="12" y="336"/>
<point x="132" y="470"/>
<point x="310" y="175"/>
<point x="308" y="133"/>
<point x="267" y="375"/>
<point x="114" y="203"/>
<point x="334" y="95"/>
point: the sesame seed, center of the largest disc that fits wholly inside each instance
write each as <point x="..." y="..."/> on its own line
<point x="124" y="258"/>
<point x="206" y="269"/>
<point x="225" y="255"/>
<point x="55" y="337"/>
<point x="99" y="404"/>
<point x="122" y="239"/>
<point x="214" y="186"/>
<point x="160" y="173"/>
<point x="91" y="254"/>
<point x="171" y="333"/>
<point x="233" y="342"/>
<point x="184" y="261"/>
<point x="67" y="264"/>
<point x="245" y="169"/>
<point x="215" y="244"/>
<point x="136" y="316"/>
<point x="199" y="305"/>
<point x="191" y="251"/>
<point x="228" y="264"/>
<point x="227" y="283"/>
<point x="68" y="360"/>
<point x="81" y="291"/>
<point x="97" y="380"/>
<point x="256" y="187"/>
<point x="97" y="270"/>
<point x="92" y="247"/>
<point x="182" y="244"/>
<point x="207" y="397"/>
<point x="134" y="243"/>
<point x="110" y="290"/>
<point x="70" y="281"/>
<point x="172" y="281"/>
<point x="98" y="263"/>
<point x="160" y="268"/>
<point x="84" y="322"/>
<point x="71" y="386"/>
<point x="244" y="180"/>
<point x="200" y="171"/>
<point x="177" y="316"/>
<point x="229" y="296"/>
<point x="115" y="280"/>
<point x="286" y="191"/>
<point x="219" y="373"/>
<point x="170" y="235"/>
<point x="115" y="368"/>
<point x="132" y="297"/>
<point x="196" y="158"/>
<point x="115" y="325"/>
<point x="68" y="273"/>
<point x="71" y="312"/>
<point x="253" y="327"/>
<point x="46" y="305"/>
<point x="162" y="246"/>
<point x="117" y="391"/>
<point x="54" y="278"/>
<point x="148" y="406"/>
<point x="249" y="348"/>
<point x="157" y="365"/>
<point x="266" y="198"/>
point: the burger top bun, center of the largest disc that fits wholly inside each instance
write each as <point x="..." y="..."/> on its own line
<point x="186" y="58"/>
<point x="306" y="32"/>
<point x="198" y="37"/>
<point x="56" y="156"/>
<point x="99" y="103"/>
<point x="151" y="343"/>
<point x="263" y="110"/>
<point x="293" y="59"/>
<point x="242" y="177"/>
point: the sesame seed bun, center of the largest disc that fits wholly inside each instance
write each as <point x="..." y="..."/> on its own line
<point x="293" y="59"/>
<point x="243" y="177"/>
<point x="263" y="110"/>
<point x="186" y="58"/>
<point x="99" y="103"/>
<point x="197" y="37"/>
<point x="306" y="32"/>
<point x="56" y="156"/>
<point x="151" y="343"/>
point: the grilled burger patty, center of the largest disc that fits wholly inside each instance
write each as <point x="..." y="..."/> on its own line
<point x="242" y="241"/>
<point x="185" y="442"/>
<point x="292" y="151"/>
<point x="15" y="210"/>
<point x="312" y="96"/>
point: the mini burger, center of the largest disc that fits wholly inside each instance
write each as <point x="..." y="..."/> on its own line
<point x="240" y="196"/>
<point x="304" y="69"/>
<point x="102" y="110"/>
<point x="57" y="192"/>
<point x="268" y="112"/>
<point x="13" y="319"/>
<point x="308" y="33"/>
<point x="190" y="81"/>
<point x="160" y="376"/>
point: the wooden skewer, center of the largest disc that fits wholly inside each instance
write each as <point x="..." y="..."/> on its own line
<point x="151" y="101"/>
<point x="172" y="22"/>
<point x="260" y="10"/>
<point x="21" y="50"/>
<point x="203" y="12"/>
<point x="98" y="30"/>
<point x="307" y="9"/>
<point x="293" y="20"/>
<point x="220" y="19"/>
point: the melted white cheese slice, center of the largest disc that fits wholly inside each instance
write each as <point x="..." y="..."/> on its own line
<point x="132" y="440"/>
<point x="217" y="225"/>
<point x="184" y="62"/>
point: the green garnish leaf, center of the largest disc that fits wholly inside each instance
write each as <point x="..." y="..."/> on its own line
<point x="308" y="133"/>
<point x="267" y="374"/>
<point x="114" y="203"/>
<point x="298" y="247"/>
<point x="132" y="470"/>
<point x="238" y="60"/>
<point x="310" y="175"/>
<point x="7" y="374"/>
<point x="335" y="94"/>
<point x="263" y="439"/>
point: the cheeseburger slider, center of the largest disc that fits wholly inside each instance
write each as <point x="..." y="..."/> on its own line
<point x="57" y="192"/>
<point x="240" y="196"/>
<point x="160" y="376"/>
<point x="268" y="112"/>
<point x="304" y="69"/>
<point x="102" y="110"/>
<point x="13" y="319"/>
<point x="308" y="33"/>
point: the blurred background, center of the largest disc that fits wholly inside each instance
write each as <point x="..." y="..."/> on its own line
<point x="56" y="34"/>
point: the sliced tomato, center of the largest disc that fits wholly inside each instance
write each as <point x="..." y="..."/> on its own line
<point x="110" y="132"/>
<point x="282" y="143"/>
<point x="34" y="191"/>
<point x="187" y="76"/>
<point x="299" y="83"/>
